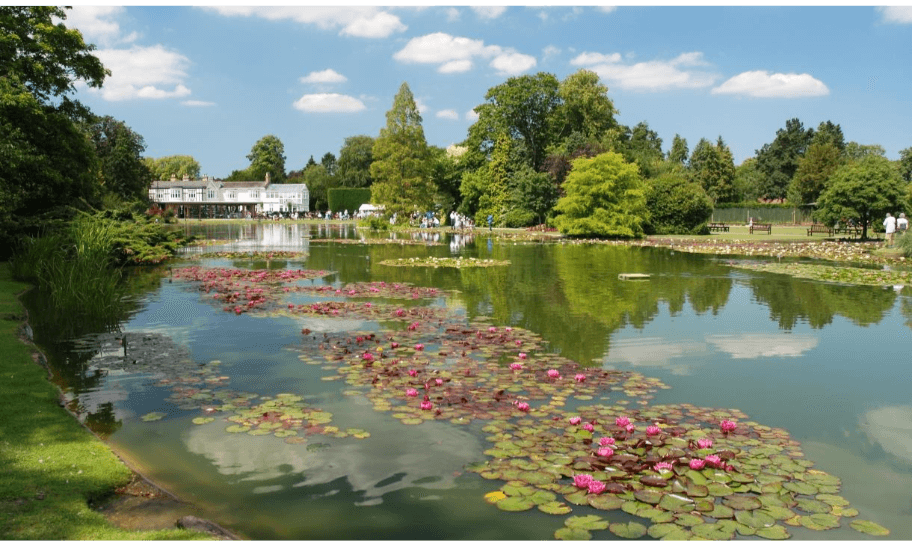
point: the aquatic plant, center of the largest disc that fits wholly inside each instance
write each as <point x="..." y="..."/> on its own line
<point x="458" y="262"/>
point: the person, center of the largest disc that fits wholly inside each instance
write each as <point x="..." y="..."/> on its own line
<point x="490" y="222"/>
<point x="902" y="223"/>
<point x="890" y="225"/>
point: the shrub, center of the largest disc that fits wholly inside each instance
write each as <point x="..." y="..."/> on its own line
<point x="677" y="206"/>
<point x="904" y="243"/>
<point x="347" y="198"/>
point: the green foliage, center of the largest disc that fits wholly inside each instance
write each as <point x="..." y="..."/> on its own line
<point x="350" y="199"/>
<point x="471" y="189"/>
<point x="642" y="145"/>
<point x="401" y="166"/>
<point x="531" y="197"/>
<point x="319" y="182"/>
<point x="748" y="181"/>
<point x="678" y="152"/>
<point x="905" y="164"/>
<point x="493" y="200"/>
<point x="267" y="156"/>
<point x="864" y="191"/>
<point x="814" y="170"/>
<point x="178" y="165"/>
<point x="677" y="206"/>
<point x="856" y="152"/>
<point x="713" y="168"/>
<point x="829" y="133"/>
<point x="447" y="169"/>
<point x="122" y="171"/>
<point x="329" y="163"/>
<point x="354" y="162"/>
<point x="778" y="161"/>
<point x="604" y="198"/>
<point x="586" y="108"/>
<point x="904" y="243"/>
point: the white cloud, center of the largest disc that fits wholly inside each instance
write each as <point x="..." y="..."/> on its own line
<point x="324" y="76"/>
<point x="196" y="103"/>
<point x="760" y="345"/>
<point x="551" y="51"/>
<point x="678" y="73"/>
<point x="324" y="103"/>
<point x="455" y="54"/>
<point x="760" y="83"/>
<point x="448" y="114"/>
<point x="359" y="21"/>
<point x="489" y="12"/>
<point x="98" y="24"/>
<point x="471" y="115"/>
<point x="511" y="64"/>
<point x="421" y="106"/>
<point x="655" y="352"/>
<point x="891" y="427"/>
<point x="606" y="9"/>
<point x="143" y="72"/>
<point x="453" y="15"/>
<point x="896" y="14"/>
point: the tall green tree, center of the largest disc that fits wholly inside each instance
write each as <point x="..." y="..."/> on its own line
<point x="748" y="181"/>
<point x="586" y="107"/>
<point x="493" y="200"/>
<point x="329" y="163"/>
<point x="122" y="172"/>
<point x="319" y="182"/>
<point x="856" y="152"/>
<point x="178" y="165"/>
<point x="814" y="171"/>
<point x="447" y="169"/>
<point x="354" y="162"/>
<point x="829" y="133"/>
<point x="905" y="164"/>
<point x="778" y="160"/>
<point x="864" y="191"/>
<point x="530" y="197"/>
<point x="643" y="146"/>
<point x="604" y="197"/>
<point x="267" y="156"/>
<point x="678" y="152"/>
<point x="401" y="166"/>
<point x="523" y="107"/>
<point x="713" y="168"/>
<point x="677" y="206"/>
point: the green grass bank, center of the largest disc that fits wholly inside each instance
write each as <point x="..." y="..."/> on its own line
<point x="51" y="468"/>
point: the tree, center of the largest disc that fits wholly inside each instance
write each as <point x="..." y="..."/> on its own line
<point x="678" y="152"/>
<point x="778" y="160"/>
<point x="354" y="162"/>
<point x="829" y="133"/>
<point x="318" y="184"/>
<point x="447" y="169"/>
<point x="329" y="162"/>
<point x="119" y="149"/>
<point x="905" y="164"/>
<point x="530" y="197"/>
<point x="401" y="165"/>
<point x="605" y="197"/>
<point x="267" y="156"/>
<point x="493" y="200"/>
<point x="163" y="168"/>
<point x="814" y="170"/>
<point x="586" y="107"/>
<point x="713" y="168"/>
<point x="526" y="109"/>
<point x="863" y="191"/>
<point x="643" y="146"/>
<point x="677" y="206"/>
<point x="856" y="152"/>
<point x="748" y="181"/>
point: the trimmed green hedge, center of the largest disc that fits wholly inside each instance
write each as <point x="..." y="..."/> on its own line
<point x="347" y="198"/>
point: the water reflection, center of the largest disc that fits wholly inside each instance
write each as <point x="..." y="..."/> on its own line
<point x="763" y="345"/>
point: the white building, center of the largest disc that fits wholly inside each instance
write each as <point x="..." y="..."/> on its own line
<point x="210" y="198"/>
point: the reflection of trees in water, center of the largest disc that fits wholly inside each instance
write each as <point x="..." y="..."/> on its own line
<point x="791" y="300"/>
<point x="104" y="421"/>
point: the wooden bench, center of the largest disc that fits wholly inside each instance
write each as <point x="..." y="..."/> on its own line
<point x="819" y="228"/>
<point x="768" y="228"/>
<point x="718" y="226"/>
<point x="849" y="230"/>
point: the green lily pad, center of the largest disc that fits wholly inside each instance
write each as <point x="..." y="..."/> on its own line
<point x="628" y="530"/>
<point x="676" y="503"/>
<point x="819" y="522"/>
<point x="566" y="533"/>
<point x="720" y="511"/>
<point x="719" y="490"/>
<point x="678" y="534"/>
<point x="741" y="502"/>
<point x="813" y="506"/>
<point x="832" y="500"/>
<point x="776" y="532"/>
<point x="515" y="504"/>
<point x="659" y="530"/>
<point x="285" y="433"/>
<point x="650" y="496"/>
<point x="712" y="531"/>
<point x="605" y="502"/>
<point x="869" y="527"/>
<point x="696" y="490"/>
<point x="800" y="488"/>
<point x="555" y="508"/>
<point x="154" y="416"/>
<point x="755" y="519"/>
<point x="579" y="498"/>
<point x="780" y="513"/>
<point x="237" y="428"/>
<point x="517" y="490"/>
<point x="688" y="520"/>
<point x="590" y="523"/>
<point x="412" y="421"/>
<point x="203" y="420"/>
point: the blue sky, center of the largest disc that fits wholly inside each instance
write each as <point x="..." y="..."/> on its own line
<point x="210" y="81"/>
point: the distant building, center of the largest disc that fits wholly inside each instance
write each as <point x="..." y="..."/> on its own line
<point x="210" y="198"/>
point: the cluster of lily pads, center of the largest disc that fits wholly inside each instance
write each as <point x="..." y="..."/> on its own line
<point x="847" y="275"/>
<point x="367" y="241"/>
<point x="458" y="262"/>
<point x="255" y="255"/>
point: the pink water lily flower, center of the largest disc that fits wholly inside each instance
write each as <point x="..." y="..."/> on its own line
<point x="516" y="366"/>
<point x="438" y="381"/>
<point x="589" y="427"/>
<point x="582" y="480"/>
<point x="622" y="421"/>
<point x="394" y="345"/>
<point x="606" y="441"/>
<point x="419" y="346"/>
<point x="714" y="460"/>
<point x="368" y="357"/>
<point x="426" y="405"/>
<point x="411" y="392"/>
<point x="522" y="406"/>
<point x="630" y="428"/>
<point x="728" y="426"/>
<point x="413" y="373"/>
<point x="662" y="466"/>
<point x="605" y="452"/>
<point x="508" y="329"/>
<point x="554" y="374"/>
<point x="579" y="377"/>
<point x="522" y="356"/>
<point x="697" y="464"/>
<point x="400" y="312"/>
<point x="652" y="430"/>
<point x="575" y="420"/>
<point x="492" y="329"/>
<point x="704" y="443"/>
<point x="596" y="487"/>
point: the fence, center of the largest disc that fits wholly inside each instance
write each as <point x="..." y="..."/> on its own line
<point x="741" y="215"/>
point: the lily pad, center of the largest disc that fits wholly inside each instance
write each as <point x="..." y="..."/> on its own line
<point x="605" y="502"/>
<point x="776" y="532"/>
<point x="659" y="530"/>
<point x="555" y="508"/>
<point x="650" y="496"/>
<point x="813" y="506"/>
<point x="590" y="523"/>
<point x="567" y="533"/>
<point x="203" y="420"/>
<point x="628" y="530"/>
<point x="819" y="522"/>
<point x="741" y="502"/>
<point x="869" y="527"/>
<point x="515" y="504"/>
<point x="153" y="416"/>
<point x="712" y="531"/>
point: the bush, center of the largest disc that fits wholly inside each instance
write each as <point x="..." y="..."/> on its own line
<point x="904" y="243"/>
<point x="376" y="223"/>
<point x="677" y="206"/>
<point x="347" y="198"/>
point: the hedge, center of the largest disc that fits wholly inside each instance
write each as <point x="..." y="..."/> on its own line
<point x="350" y="199"/>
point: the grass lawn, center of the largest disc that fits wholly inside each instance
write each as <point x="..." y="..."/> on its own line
<point x="50" y="467"/>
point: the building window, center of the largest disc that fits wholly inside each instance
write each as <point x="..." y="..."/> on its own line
<point x="255" y="194"/>
<point x="232" y="195"/>
<point x="175" y="194"/>
<point x="211" y="194"/>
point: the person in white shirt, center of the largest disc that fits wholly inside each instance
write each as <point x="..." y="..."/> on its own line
<point x="902" y="223"/>
<point x="890" y="225"/>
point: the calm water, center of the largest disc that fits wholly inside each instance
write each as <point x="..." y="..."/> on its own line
<point x="828" y="363"/>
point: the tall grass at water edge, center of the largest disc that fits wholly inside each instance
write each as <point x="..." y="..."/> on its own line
<point x="75" y="267"/>
<point x="904" y="243"/>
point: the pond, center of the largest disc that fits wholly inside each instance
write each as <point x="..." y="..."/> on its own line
<point x="278" y="401"/>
